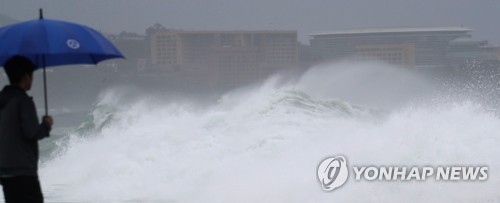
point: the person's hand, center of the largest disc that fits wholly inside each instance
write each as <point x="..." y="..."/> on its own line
<point x="48" y="120"/>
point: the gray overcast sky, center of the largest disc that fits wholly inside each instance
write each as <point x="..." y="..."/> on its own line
<point x="305" y="16"/>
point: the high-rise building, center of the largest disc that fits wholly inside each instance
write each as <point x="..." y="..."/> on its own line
<point x="407" y="47"/>
<point x="223" y="58"/>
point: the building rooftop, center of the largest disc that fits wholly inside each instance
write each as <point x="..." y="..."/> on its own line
<point x="396" y="30"/>
<point x="229" y="31"/>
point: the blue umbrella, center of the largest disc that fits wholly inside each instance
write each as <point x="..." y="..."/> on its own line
<point x="52" y="42"/>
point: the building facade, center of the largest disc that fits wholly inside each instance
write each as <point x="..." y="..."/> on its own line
<point x="407" y="47"/>
<point x="223" y="58"/>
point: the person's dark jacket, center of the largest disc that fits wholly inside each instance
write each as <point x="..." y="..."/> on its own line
<point x="20" y="131"/>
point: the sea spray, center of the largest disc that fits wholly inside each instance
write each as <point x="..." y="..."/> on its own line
<point x="264" y="145"/>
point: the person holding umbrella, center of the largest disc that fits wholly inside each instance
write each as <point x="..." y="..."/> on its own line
<point x="20" y="132"/>
<point x="24" y="47"/>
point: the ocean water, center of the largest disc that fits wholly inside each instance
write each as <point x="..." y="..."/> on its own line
<point x="263" y="143"/>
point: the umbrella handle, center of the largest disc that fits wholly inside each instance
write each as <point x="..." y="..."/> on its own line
<point x="45" y="92"/>
<point x="45" y="87"/>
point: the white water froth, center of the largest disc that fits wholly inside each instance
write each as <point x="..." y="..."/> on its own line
<point x="264" y="145"/>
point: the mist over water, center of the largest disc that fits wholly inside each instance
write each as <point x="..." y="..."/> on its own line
<point x="373" y="84"/>
<point x="263" y="143"/>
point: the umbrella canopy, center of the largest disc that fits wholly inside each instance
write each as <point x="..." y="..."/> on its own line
<point x="52" y="42"/>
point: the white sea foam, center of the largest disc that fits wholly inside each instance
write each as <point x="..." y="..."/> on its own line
<point x="264" y="144"/>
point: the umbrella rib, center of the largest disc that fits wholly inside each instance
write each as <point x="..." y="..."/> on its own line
<point x="47" y="44"/>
